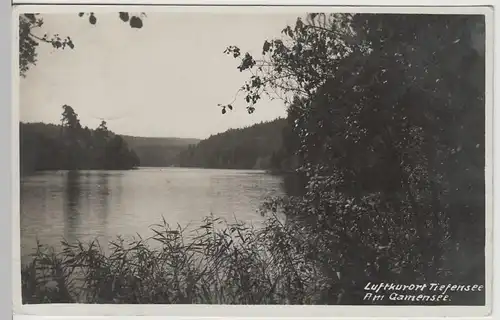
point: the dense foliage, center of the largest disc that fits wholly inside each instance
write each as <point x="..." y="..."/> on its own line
<point x="253" y="147"/>
<point x="70" y="146"/>
<point x="389" y="128"/>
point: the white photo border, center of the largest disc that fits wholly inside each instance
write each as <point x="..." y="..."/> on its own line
<point x="223" y="311"/>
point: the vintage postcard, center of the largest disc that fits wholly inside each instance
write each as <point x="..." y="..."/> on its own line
<point x="189" y="159"/>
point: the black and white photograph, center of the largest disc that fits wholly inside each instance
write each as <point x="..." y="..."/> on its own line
<point x="283" y="157"/>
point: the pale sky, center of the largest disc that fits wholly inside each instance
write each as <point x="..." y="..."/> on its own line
<point x="162" y="80"/>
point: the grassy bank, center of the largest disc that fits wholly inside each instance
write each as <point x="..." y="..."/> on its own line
<point x="225" y="263"/>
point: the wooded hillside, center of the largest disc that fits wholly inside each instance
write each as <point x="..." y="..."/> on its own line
<point x="252" y="147"/>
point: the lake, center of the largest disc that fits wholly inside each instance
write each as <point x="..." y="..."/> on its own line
<point x="84" y="205"/>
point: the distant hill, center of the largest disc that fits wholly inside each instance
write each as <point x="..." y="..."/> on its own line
<point x="158" y="152"/>
<point x="164" y="142"/>
<point x="152" y="151"/>
<point x="246" y="148"/>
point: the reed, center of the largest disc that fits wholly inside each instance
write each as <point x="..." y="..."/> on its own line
<point x="216" y="263"/>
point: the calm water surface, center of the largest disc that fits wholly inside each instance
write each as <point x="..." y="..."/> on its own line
<point x="88" y="204"/>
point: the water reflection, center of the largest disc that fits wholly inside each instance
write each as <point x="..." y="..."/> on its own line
<point x="103" y="195"/>
<point x="86" y="197"/>
<point x="72" y="194"/>
<point x="83" y="205"/>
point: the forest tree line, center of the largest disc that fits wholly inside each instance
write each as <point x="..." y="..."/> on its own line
<point x="70" y="146"/>
<point x="254" y="147"/>
<point x="260" y="146"/>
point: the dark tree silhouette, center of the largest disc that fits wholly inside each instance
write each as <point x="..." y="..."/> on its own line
<point x="70" y="146"/>
<point x="387" y="121"/>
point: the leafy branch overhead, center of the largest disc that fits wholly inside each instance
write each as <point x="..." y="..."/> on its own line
<point x="30" y="36"/>
<point x="297" y="63"/>
<point x="135" y="21"/>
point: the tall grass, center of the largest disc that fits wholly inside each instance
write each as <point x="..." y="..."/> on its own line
<point x="217" y="263"/>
